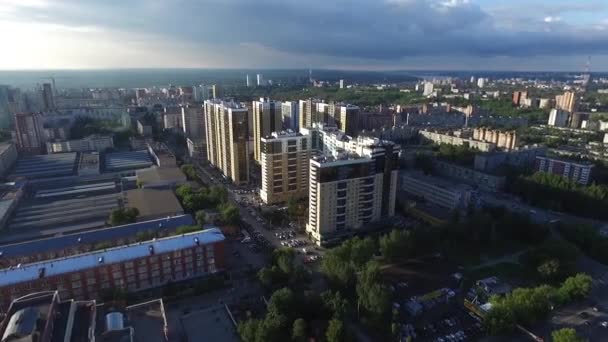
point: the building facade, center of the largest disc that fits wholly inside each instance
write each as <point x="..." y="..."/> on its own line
<point x="291" y="120"/>
<point x="558" y="118"/>
<point x="29" y="133"/>
<point x="579" y="172"/>
<point x="90" y="143"/>
<point x="227" y="136"/>
<point x="443" y="138"/>
<point x="352" y="184"/>
<point x="267" y="118"/>
<point x="193" y="122"/>
<point x="566" y="101"/>
<point x="284" y="160"/>
<point x="504" y="140"/>
<point x="130" y="268"/>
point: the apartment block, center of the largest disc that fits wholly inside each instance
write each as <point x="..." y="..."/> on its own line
<point x="579" y="172"/>
<point x="566" y="101"/>
<point x="227" y="136"/>
<point x="267" y="118"/>
<point x="291" y="120"/>
<point x="451" y="139"/>
<point x="192" y="121"/>
<point x="284" y="160"/>
<point x="352" y="184"/>
<point x="504" y="140"/>
<point x="308" y="113"/>
<point x="558" y="118"/>
<point x="135" y="267"/>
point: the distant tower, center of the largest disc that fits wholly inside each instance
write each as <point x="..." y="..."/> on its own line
<point x="48" y="96"/>
<point x="247" y="81"/>
<point x="309" y="75"/>
<point x="260" y="80"/>
<point x="341" y="84"/>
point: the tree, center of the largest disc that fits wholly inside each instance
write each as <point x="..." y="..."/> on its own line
<point x="335" y="331"/>
<point x="123" y="216"/>
<point x="281" y="303"/>
<point x="186" y="229"/>
<point x="499" y="320"/>
<point x="566" y="335"/>
<point x="201" y="217"/>
<point x="298" y="333"/>
<point x="335" y="303"/>
<point x="183" y="190"/>
<point x="372" y="294"/>
<point x="248" y="329"/>
<point x="229" y="214"/>
<point x="397" y="244"/>
<point x="575" y="288"/>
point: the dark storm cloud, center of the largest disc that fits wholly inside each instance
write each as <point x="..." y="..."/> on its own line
<point x="374" y="29"/>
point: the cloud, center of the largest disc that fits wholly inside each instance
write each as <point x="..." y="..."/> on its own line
<point x="324" y="31"/>
<point x="551" y="19"/>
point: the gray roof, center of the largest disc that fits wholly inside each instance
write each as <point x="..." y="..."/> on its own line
<point x="94" y="236"/>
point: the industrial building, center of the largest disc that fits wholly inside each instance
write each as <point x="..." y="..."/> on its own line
<point x="86" y="241"/>
<point x="41" y="166"/>
<point x="118" y="161"/>
<point x="8" y="157"/>
<point x="91" y="143"/>
<point x="134" y="267"/>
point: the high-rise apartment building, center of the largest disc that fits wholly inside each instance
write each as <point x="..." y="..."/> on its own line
<point x="307" y="110"/>
<point x="428" y="89"/>
<point x="566" y="101"/>
<point x="579" y="172"/>
<point x="284" y="159"/>
<point x="346" y="117"/>
<point x="29" y="133"/>
<point x="352" y="183"/>
<point x="289" y="110"/>
<point x="217" y="91"/>
<point x="481" y="82"/>
<point x="260" y="80"/>
<point x="48" y="97"/>
<point x="519" y="97"/>
<point x="558" y="118"/>
<point x="193" y="121"/>
<point x="267" y="118"/>
<point x="342" y="84"/>
<point x="247" y="82"/>
<point x="227" y="136"/>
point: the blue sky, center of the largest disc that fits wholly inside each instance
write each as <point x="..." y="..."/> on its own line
<point x="349" y="34"/>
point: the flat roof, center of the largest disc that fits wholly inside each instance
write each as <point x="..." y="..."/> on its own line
<point x="436" y="181"/>
<point x="94" y="236"/>
<point x="167" y="174"/>
<point x="73" y="263"/>
<point x="157" y="202"/>
<point x="211" y="324"/>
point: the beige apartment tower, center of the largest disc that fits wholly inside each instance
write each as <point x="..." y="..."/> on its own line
<point x="267" y="118"/>
<point x="226" y="137"/>
<point x="284" y="160"/>
<point x="352" y="185"/>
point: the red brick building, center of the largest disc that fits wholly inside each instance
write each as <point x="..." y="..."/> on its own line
<point x="133" y="267"/>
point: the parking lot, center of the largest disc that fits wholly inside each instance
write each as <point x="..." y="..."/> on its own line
<point x="430" y="302"/>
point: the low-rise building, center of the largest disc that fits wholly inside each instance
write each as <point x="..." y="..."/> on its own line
<point x="437" y="191"/>
<point x="144" y="129"/>
<point x="579" y="172"/>
<point x="97" y="143"/>
<point x="476" y="179"/>
<point x="153" y="203"/>
<point x="131" y="268"/>
<point x="450" y="139"/>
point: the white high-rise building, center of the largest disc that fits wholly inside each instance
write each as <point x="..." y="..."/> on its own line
<point x="260" y="80"/>
<point x="342" y="84"/>
<point x="352" y="184"/>
<point x="481" y="82"/>
<point x="472" y="79"/>
<point x="428" y="89"/>
<point x="247" y="81"/>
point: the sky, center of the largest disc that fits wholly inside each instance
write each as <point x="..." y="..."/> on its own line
<point x="526" y="35"/>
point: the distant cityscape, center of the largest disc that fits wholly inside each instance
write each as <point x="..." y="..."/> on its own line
<point x="301" y="205"/>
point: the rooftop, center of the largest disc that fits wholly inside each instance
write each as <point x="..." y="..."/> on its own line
<point x="153" y="202"/>
<point x="73" y="263"/>
<point x="156" y="175"/>
<point x="94" y="236"/>
<point x="211" y="324"/>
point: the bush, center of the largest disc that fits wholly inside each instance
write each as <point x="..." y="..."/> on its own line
<point x="123" y="216"/>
